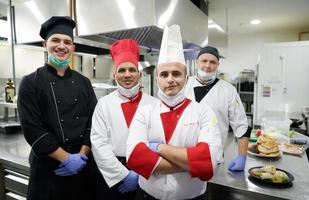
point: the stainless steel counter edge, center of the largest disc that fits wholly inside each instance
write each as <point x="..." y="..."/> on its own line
<point x="14" y="151"/>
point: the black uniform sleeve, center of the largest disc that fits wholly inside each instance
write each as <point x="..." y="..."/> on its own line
<point x="41" y="141"/>
<point x="247" y="133"/>
<point x="92" y="102"/>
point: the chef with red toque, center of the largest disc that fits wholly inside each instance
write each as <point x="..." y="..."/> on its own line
<point x="112" y="118"/>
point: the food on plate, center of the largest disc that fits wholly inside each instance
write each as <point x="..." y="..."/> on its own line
<point x="269" y="172"/>
<point x="269" y="169"/>
<point x="266" y="146"/>
<point x="265" y="139"/>
<point x="292" y="149"/>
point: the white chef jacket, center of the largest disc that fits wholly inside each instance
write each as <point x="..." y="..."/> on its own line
<point x="109" y="132"/>
<point x="226" y="103"/>
<point x="196" y="125"/>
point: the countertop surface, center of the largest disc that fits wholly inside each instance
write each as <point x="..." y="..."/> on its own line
<point x="297" y="166"/>
<point x="14" y="151"/>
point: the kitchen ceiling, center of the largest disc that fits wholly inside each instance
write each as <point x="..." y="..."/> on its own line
<point x="275" y="15"/>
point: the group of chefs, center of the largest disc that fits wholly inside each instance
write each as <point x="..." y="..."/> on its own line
<point x="128" y="145"/>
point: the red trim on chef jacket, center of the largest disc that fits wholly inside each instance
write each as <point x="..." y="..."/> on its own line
<point x="200" y="161"/>
<point x="129" y="108"/>
<point x="170" y="119"/>
<point x="142" y="160"/>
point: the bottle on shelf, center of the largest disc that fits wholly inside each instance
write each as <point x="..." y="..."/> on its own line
<point x="10" y="91"/>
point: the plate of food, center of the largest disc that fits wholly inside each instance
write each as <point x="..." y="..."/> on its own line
<point x="293" y="149"/>
<point x="266" y="146"/>
<point x="271" y="175"/>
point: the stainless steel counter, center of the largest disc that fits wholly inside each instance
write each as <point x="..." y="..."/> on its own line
<point x="14" y="151"/>
<point x="14" y="166"/>
<point x="236" y="185"/>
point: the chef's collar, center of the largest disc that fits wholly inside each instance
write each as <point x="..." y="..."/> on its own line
<point x="51" y="69"/>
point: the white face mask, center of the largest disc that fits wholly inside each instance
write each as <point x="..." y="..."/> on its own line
<point x="128" y="92"/>
<point x="206" y="76"/>
<point x="172" y="100"/>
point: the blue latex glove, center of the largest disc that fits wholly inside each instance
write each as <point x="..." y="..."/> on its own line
<point x="153" y="145"/>
<point x="130" y="183"/>
<point x="238" y="163"/>
<point x="72" y="165"/>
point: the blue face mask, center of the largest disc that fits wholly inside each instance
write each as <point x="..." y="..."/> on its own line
<point x="59" y="63"/>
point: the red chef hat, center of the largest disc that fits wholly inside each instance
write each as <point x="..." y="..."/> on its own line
<point x="125" y="50"/>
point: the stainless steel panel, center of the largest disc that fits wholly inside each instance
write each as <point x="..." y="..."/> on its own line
<point x="103" y="21"/>
<point x="96" y="17"/>
<point x="192" y="21"/>
<point x="13" y="196"/>
<point x="143" y="20"/>
<point x="31" y="14"/>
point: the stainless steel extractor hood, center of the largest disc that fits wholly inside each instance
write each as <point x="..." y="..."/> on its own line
<point x="101" y="22"/>
<point x="148" y="38"/>
<point x="142" y="20"/>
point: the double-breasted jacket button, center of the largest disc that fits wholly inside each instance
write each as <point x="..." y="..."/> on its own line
<point x="77" y="117"/>
<point x="61" y="120"/>
<point x="75" y="100"/>
<point x="67" y="139"/>
<point x="81" y="135"/>
<point x="58" y="101"/>
<point x="73" y="81"/>
<point x="53" y="83"/>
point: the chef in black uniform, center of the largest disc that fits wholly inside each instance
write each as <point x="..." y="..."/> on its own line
<point x="55" y="105"/>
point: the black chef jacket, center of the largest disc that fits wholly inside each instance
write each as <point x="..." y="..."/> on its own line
<point x="56" y="112"/>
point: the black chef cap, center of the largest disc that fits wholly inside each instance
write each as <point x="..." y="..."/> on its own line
<point x="211" y="50"/>
<point x="57" y="24"/>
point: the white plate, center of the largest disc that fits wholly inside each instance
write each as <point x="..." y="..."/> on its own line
<point x="264" y="156"/>
<point x="292" y="149"/>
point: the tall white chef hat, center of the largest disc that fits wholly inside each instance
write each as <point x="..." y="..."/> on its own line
<point x="171" y="46"/>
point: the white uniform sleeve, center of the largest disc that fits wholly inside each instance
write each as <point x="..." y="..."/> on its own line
<point x="210" y="133"/>
<point x="112" y="170"/>
<point x="237" y="115"/>
<point x="139" y="157"/>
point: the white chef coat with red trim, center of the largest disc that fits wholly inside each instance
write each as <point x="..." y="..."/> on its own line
<point x="109" y="131"/>
<point x="196" y="129"/>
